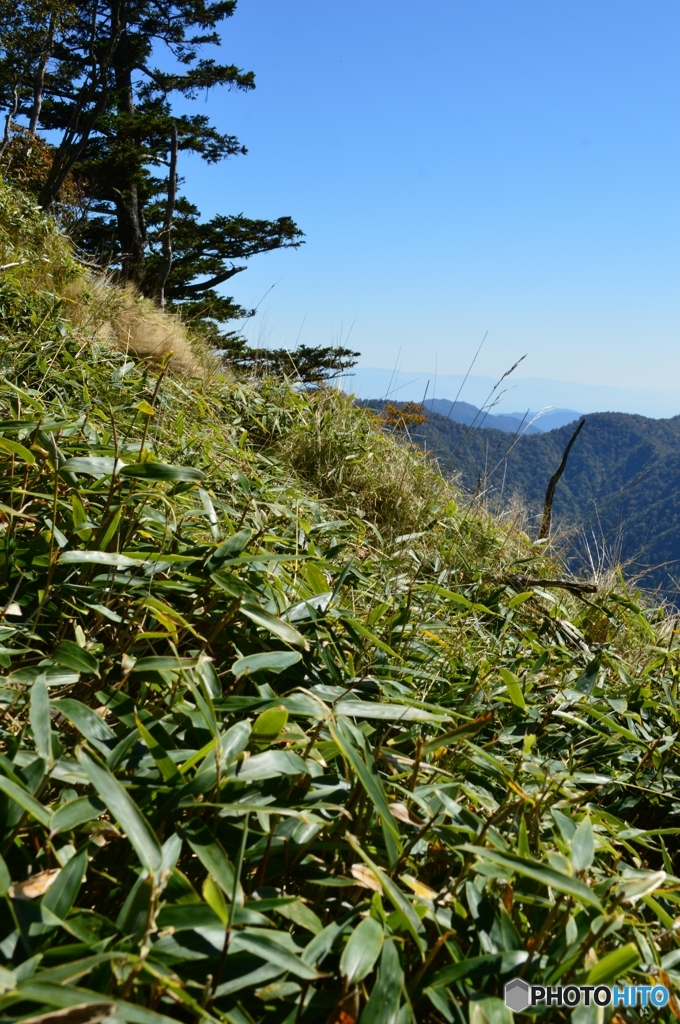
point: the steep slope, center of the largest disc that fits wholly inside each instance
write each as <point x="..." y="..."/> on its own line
<point x="290" y="737"/>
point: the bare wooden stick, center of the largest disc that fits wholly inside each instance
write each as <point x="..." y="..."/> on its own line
<point x="554" y="479"/>
<point x="517" y="581"/>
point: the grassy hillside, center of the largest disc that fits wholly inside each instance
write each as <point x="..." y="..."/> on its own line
<point x="286" y="734"/>
<point x="619" y="496"/>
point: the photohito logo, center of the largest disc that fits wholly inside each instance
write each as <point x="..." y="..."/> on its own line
<point x="519" y="995"/>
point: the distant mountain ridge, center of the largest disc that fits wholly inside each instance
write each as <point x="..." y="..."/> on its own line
<point x="620" y="490"/>
<point x="400" y="385"/>
<point x="528" y="422"/>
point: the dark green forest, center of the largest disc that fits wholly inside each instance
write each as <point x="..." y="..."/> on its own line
<point x="617" y="501"/>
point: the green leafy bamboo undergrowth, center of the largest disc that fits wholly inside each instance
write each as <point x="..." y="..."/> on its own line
<point x="286" y="734"/>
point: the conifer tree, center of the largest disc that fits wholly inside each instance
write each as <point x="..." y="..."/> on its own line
<point x="86" y="72"/>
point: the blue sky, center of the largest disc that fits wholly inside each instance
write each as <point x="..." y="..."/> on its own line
<point x="458" y="167"/>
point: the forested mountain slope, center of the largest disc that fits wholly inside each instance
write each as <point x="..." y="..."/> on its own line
<point x="620" y="491"/>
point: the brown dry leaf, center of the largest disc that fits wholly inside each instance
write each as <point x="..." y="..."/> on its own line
<point x="365" y="877"/>
<point x="348" y="1010"/>
<point x="401" y="813"/>
<point x="340" y="1016"/>
<point x="590" y="960"/>
<point x="34" y="886"/>
<point x="83" y="1013"/>
<point x="673" y="1004"/>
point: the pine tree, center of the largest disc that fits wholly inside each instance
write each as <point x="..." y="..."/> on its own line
<point x="87" y="72"/>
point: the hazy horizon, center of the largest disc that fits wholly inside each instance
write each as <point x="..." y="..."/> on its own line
<point x="462" y="168"/>
<point x="515" y="394"/>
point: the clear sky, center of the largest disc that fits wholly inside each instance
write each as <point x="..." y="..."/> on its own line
<point x="463" y="166"/>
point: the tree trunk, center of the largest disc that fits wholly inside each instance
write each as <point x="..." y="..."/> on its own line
<point x="93" y="95"/>
<point x="129" y="216"/>
<point x="39" y="84"/>
<point x="166" y="237"/>
<point x="131" y="234"/>
<point x="8" y="123"/>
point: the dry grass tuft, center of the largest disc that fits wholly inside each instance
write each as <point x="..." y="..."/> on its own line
<point x="38" y="261"/>
<point x="340" y="450"/>
<point x="133" y="324"/>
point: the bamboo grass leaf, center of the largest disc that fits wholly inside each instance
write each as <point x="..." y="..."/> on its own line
<point x="162" y="471"/>
<point x="362" y="950"/>
<point x="125" y="811"/>
<point x="273" y="625"/>
<point x="40" y="720"/>
<point x="539" y="872"/>
<point x="371" y="784"/>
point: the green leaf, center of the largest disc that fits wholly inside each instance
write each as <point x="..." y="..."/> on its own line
<point x="162" y="471"/>
<point x="360" y="628"/>
<point x="206" y="501"/>
<point x="214" y="860"/>
<point x="233" y="741"/>
<point x="269" y="661"/>
<point x="583" y="846"/>
<point x="386" y="712"/>
<point x="5" y="879"/>
<point x="523" y="847"/>
<point x="25" y="800"/>
<point x="166" y="766"/>
<point x="372" y="785"/>
<point x="252" y="941"/>
<point x="299" y="913"/>
<point x="101" y="558"/>
<point x="214" y="897"/>
<point x="394" y="894"/>
<point x="64" y="996"/>
<point x="62" y="894"/>
<point x="233" y="545"/>
<point x="76" y="812"/>
<point x="615" y="965"/>
<point x="72" y="656"/>
<point x="144" y="407"/>
<point x="125" y="812"/>
<point x="539" y="872"/>
<point x="269" y="724"/>
<point x="383" y="1004"/>
<point x="14" y="448"/>
<point x="276" y="626"/>
<point x="362" y="950"/>
<point x="514" y="689"/>
<point x="40" y="720"/>
<point x="88" y="723"/>
<point x="93" y="465"/>
<point x="8" y="980"/>
<point x="491" y="965"/>
<point x="270" y="765"/>
<point x="164" y="664"/>
<point x="490" y="1011"/>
